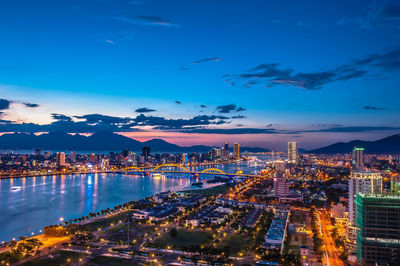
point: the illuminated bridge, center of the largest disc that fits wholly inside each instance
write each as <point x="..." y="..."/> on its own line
<point x="166" y="168"/>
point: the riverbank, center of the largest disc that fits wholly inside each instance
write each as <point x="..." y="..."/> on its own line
<point x="118" y="171"/>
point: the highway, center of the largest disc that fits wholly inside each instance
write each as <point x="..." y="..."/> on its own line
<point x="331" y="255"/>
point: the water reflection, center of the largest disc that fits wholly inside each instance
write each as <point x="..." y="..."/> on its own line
<point x="70" y="196"/>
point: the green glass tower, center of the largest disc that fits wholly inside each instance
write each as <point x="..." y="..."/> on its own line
<point x="378" y="234"/>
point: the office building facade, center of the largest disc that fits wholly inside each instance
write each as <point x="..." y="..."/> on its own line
<point x="236" y="150"/>
<point x="358" y="158"/>
<point x="378" y="234"/>
<point x="292" y="152"/>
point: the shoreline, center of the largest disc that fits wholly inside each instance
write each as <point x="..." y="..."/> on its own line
<point x="178" y="190"/>
<point x="119" y="171"/>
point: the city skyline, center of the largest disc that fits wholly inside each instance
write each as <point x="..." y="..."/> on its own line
<point x="260" y="73"/>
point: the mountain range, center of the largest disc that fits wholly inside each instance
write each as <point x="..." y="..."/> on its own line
<point x="100" y="141"/>
<point x="389" y="145"/>
<point x="108" y="141"/>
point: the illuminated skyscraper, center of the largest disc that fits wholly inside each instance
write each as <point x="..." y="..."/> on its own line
<point x="236" y="150"/>
<point x="184" y="158"/>
<point x="358" y="158"/>
<point x="92" y="158"/>
<point x="280" y="166"/>
<point x="292" y="152"/>
<point x="361" y="182"/>
<point x="281" y="186"/>
<point x="131" y="158"/>
<point x="226" y="150"/>
<point x="378" y="234"/>
<point x="73" y="157"/>
<point x="146" y="152"/>
<point x="60" y="159"/>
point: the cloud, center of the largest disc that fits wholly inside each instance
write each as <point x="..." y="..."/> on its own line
<point x="144" y="110"/>
<point x="225" y="109"/>
<point x="304" y="25"/>
<point x="204" y="60"/>
<point x="31" y="105"/>
<point x="202" y="106"/>
<point x="164" y="123"/>
<point x="236" y="131"/>
<point x="272" y="74"/>
<point x="146" y="21"/>
<point x="61" y="117"/>
<point x="374" y="17"/>
<point x="4" y="104"/>
<point x="367" y="107"/>
<point x="238" y="117"/>
<point x="387" y="61"/>
<point x="96" y="119"/>
<point x="116" y="37"/>
<point x="178" y="102"/>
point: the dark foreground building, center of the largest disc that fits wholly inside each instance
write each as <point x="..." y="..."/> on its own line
<point x="378" y="235"/>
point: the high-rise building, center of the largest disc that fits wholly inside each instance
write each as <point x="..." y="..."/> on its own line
<point x="281" y="186"/>
<point x="236" y="150"/>
<point x="60" y="159"/>
<point x="92" y="158"/>
<point x="46" y="155"/>
<point x="23" y="159"/>
<point x="358" y="158"/>
<point x="132" y="158"/>
<point x="146" y="152"/>
<point x="125" y="153"/>
<point x="280" y="167"/>
<point x="225" y="153"/>
<point x="184" y="158"/>
<point x="104" y="163"/>
<point x="38" y="152"/>
<point x="361" y="182"/>
<point x="73" y="157"/>
<point x="378" y="234"/>
<point x="292" y="152"/>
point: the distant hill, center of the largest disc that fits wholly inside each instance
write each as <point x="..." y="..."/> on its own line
<point x="100" y="141"/>
<point x="389" y="145"/>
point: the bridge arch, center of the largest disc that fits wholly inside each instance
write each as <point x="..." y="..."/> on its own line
<point x="239" y="172"/>
<point x="170" y="165"/>
<point x="212" y="170"/>
<point x="133" y="168"/>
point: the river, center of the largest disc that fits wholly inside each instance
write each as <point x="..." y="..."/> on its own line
<point x="29" y="204"/>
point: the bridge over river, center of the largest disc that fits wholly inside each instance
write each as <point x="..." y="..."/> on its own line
<point x="171" y="168"/>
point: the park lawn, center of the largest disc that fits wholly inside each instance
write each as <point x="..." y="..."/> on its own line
<point x="184" y="238"/>
<point x="103" y="222"/>
<point x="116" y="229"/>
<point x="112" y="261"/>
<point x="237" y="243"/>
<point x="207" y="191"/>
<point x="60" y="257"/>
<point x="119" y="232"/>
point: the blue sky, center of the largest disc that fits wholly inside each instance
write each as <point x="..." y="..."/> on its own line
<point x="312" y="71"/>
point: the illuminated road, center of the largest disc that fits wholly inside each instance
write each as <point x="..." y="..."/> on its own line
<point x="331" y="256"/>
